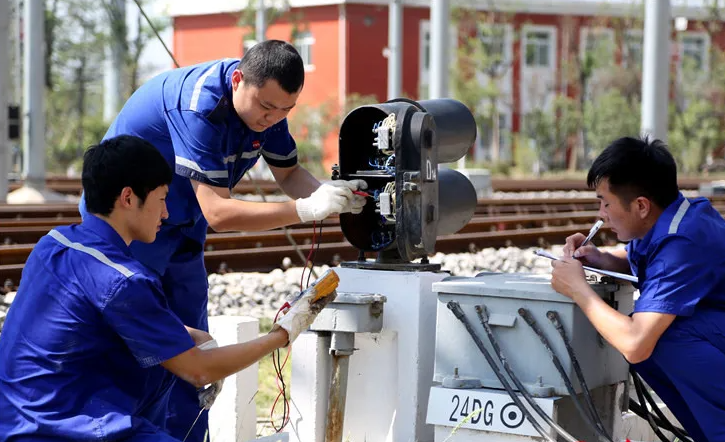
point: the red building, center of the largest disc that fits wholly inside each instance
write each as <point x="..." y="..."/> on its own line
<point x="343" y="42"/>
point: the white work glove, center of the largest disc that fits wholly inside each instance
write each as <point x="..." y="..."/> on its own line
<point x="323" y="202"/>
<point x="208" y="395"/>
<point x="357" y="202"/>
<point x="302" y="314"/>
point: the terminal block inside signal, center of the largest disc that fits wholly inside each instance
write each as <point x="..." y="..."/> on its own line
<point x="395" y="147"/>
<point x="373" y="160"/>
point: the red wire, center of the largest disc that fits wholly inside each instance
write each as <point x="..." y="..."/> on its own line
<point x="278" y="370"/>
<point x="309" y="255"/>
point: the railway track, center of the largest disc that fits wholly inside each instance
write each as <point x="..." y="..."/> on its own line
<point x="497" y="223"/>
<point x="72" y="186"/>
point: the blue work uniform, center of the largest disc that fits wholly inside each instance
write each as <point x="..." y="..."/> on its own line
<point x="82" y="345"/>
<point x="188" y="115"/>
<point x="680" y="265"/>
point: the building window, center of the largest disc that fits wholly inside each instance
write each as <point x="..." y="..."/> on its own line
<point x="632" y="49"/>
<point x="304" y="43"/>
<point x="538" y="48"/>
<point x="694" y="52"/>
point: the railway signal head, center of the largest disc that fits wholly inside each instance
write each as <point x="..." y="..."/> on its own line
<point x="396" y="148"/>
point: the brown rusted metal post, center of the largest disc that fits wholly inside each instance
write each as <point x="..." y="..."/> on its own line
<point x="341" y="347"/>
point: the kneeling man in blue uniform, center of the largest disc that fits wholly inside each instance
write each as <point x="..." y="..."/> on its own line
<point x="212" y="122"/>
<point x="90" y="348"/>
<point x="675" y="339"/>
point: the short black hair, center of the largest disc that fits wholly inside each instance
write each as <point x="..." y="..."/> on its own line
<point x="276" y="60"/>
<point x="122" y="161"/>
<point x="637" y="167"/>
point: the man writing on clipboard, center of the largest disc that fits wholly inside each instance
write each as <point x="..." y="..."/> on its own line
<point x="675" y="338"/>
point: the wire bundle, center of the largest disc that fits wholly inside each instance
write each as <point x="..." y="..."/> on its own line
<point x="277" y="361"/>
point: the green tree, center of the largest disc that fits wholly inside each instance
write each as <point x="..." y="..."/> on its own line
<point x="697" y="117"/>
<point x="480" y="63"/>
<point x="77" y="33"/>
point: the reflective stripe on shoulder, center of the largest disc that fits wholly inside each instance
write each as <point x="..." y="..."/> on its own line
<point x="208" y="173"/>
<point x="678" y="216"/>
<point x="276" y="156"/>
<point x="199" y="84"/>
<point x="90" y="251"/>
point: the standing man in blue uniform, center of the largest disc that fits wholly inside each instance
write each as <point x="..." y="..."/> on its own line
<point x="212" y="122"/>
<point x="89" y="346"/>
<point x="675" y="339"/>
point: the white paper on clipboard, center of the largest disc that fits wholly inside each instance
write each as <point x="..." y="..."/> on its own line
<point x="623" y="276"/>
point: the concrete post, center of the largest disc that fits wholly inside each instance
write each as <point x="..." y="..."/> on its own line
<point x="656" y="68"/>
<point x="395" y="48"/>
<point x="440" y="16"/>
<point x="4" y="86"/>
<point x="261" y="22"/>
<point x="233" y="416"/>
<point x="33" y="95"/>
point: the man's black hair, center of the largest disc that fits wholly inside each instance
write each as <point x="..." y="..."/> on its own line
<point x="637" y="167"/>
<point x="122" y="161"/>
<point x="273" y="60"/>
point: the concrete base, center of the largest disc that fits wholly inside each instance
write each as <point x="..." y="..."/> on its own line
<point x="233" y="417"/>
<point x="390" y="373"/>
<point x="29" y="195"/>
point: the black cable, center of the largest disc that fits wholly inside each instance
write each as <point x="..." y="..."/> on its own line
<point x="483" y="316"/>
<point x="455" y="308"/>
<point x="642" y="412"/>
<point x="681" y="434"/>
<point x="554" y="318"/>
<point x="650" y="418"/>
<point x="158" y="36"/>
<point x="560" y="368"/>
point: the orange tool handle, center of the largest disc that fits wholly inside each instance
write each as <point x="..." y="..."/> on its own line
<point x="324" y="285"/>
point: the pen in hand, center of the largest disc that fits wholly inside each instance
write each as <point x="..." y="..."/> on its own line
<point x="593" y="231"/>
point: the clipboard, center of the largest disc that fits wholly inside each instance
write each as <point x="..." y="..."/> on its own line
<point x="624" y="276"/>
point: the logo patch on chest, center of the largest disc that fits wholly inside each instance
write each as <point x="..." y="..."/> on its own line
<point x="256" y="144"/>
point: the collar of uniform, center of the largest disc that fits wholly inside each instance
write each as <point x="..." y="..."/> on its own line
<point x="104" y="230"/>
<point x="661" y="227"/>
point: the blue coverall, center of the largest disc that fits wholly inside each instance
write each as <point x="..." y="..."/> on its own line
<point x="188" y="115"/>
<point x="680" y="265"/>
<point x="82" y="343"/>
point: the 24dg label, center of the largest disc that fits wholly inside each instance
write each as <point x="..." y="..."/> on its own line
<point x="481" y="409"/>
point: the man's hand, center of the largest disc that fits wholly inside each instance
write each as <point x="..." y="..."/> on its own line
<point x="588" y="255"/>
<point x="568" y="277"/>
<point x="350" y="184"/>
<point x="357" y="202"/>
<point x="302" y="314"/>
<point x="208" y="395"/>
<point x="323" y="202"/>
